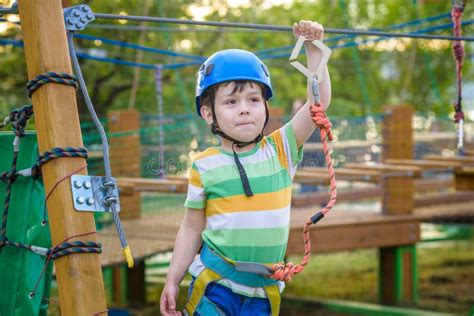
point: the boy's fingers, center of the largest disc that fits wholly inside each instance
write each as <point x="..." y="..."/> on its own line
<point x="163" y="304"/>
<point x="295" y="29"/>
<point x="312" y="32"/>
<point x="303" y="27"/>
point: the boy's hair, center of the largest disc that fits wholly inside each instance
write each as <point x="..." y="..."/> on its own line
<point x="208" y="96"/>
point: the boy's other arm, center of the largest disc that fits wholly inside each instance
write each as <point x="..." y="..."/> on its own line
<point x="186" y="245"/>
<point x="185" y="249"/>
<point x="303" y="125"/>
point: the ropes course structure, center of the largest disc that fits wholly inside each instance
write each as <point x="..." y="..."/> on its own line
<point x="274" y="28"/>
<point x="18" y="118"/>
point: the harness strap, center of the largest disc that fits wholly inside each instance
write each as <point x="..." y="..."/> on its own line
<point x="206" y="277"/>
<point x="274" y="297"/>
<point x="218" y="268"/>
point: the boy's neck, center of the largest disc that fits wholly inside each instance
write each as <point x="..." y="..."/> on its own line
<point x="227" y="145"/>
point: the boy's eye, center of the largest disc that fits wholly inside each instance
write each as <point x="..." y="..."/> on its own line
<point x="231" y="101"/>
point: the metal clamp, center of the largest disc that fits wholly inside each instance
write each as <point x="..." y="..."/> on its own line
<point x="326" y="53"/>
<point x="90" y="193"/>
<point x="76" y="18"/>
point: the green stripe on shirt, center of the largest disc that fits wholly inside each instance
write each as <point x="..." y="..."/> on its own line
<point x="271" y="183"/>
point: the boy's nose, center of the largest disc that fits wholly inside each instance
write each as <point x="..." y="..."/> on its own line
<point x="244" y="112"/>
<point x="244" y="108"/>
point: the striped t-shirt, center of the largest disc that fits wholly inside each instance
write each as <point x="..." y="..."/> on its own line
<point x="241" y="228"/>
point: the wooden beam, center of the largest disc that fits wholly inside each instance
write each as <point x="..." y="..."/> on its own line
<point x="387" y="168"/>
<point x="79" y="276"/>
<point x="354" y="194"/>
<point x="463" y="159"/>
<point x="318" y="198"/>
<point x="155" y="185"/>
<point x="447" y="198"/>
<point x="321" y="173"/>
<point x="353" y="230"/>
<point x="427" y="165"/>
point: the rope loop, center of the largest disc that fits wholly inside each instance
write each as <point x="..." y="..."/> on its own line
<point x="19" y="118"/>
<point x="51" y="77"/>
<point x="57" y="152"/>
<point x="8" y="176"/>
<point x="318" y="114"/>
<point x="68" y="248"/>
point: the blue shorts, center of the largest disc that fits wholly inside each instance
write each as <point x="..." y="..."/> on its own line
<point x="219" y="300"/>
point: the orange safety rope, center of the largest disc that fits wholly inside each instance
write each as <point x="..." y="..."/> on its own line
<point x="284" y="272"/>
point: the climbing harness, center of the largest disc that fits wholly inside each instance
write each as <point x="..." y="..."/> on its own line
<point x="217" y="268"/>
<point x="458" y="53"/>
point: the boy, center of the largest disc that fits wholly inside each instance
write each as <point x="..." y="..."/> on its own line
<point x="239" y="194"/>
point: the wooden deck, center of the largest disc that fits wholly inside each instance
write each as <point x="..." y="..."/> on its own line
<point x="340" y="230"/>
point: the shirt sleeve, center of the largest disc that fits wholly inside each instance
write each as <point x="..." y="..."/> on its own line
<point x="289" y="154"/>
<point x="196" y="197"/>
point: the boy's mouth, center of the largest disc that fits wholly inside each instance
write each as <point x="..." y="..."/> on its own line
<point x="243" y="124"/>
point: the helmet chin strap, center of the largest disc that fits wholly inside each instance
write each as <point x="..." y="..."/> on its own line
<point x="217" y="131"/>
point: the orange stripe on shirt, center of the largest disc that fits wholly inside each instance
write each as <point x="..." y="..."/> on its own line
<point x="195" y="178"/>
<point x="280" y="149"/>
<point x="211" y="151"/>
<point x="241" y="203"/>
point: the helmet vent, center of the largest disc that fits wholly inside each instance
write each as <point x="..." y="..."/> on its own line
<point x="208" y="69"/>
<point x="265" y="70"/>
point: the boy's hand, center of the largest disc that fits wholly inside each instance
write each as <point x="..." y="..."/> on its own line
<point x="168" y="300"/>
<point x="310" y="30"/>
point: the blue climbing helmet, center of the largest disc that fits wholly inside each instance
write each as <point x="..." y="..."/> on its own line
<point x="229" y="65"/>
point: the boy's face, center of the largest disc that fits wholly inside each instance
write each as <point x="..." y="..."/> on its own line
<point x="241" y="114"/>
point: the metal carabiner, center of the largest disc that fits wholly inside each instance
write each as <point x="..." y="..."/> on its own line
<point x="315" y="76"/>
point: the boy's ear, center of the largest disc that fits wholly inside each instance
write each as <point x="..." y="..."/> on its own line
<point x="206" y="114"/>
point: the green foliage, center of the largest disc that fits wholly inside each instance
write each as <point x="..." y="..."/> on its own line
<point x="364" y="78"/>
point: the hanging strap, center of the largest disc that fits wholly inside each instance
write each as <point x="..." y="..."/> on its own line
<point x="458" y="53"/>
<point x="242" y="173"/>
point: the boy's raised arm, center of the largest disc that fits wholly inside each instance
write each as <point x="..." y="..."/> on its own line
<point x="303" y="125"/>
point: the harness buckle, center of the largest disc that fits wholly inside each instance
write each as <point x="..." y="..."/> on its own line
<point x="252" y="267"/>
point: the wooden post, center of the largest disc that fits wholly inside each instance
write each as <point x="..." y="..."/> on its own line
<point x="125" y="155"/>
<point x="397" y="143"/>
<point x="398" y="270"/>
<point x="79" y="276"/>
<point x="464" y="179"/>
<point x="125" y="150"/>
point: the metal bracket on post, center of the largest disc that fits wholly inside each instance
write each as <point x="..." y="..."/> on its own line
<point x="76" y="18"/>
<point x="326" y="53"/>
<point x="89" y="193"/>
